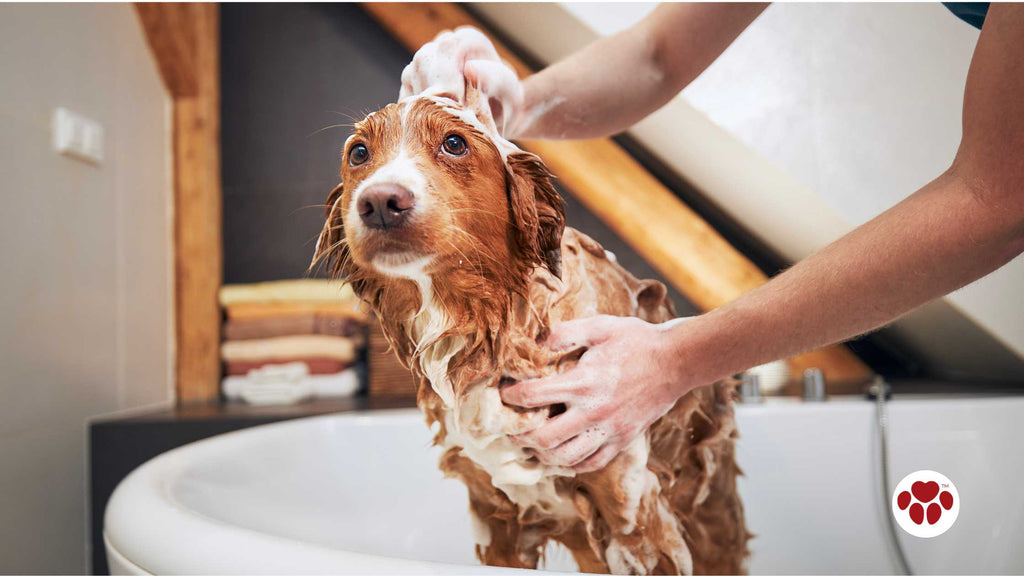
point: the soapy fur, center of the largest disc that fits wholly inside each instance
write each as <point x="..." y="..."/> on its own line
<point x="468" y="319"/>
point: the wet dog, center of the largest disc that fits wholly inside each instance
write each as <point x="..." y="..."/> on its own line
<point x="457" y="240"/>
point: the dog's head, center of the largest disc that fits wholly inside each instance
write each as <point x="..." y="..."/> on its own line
<point x="426" y="193"/>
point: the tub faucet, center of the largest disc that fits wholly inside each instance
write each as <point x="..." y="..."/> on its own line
<point x="750" y="388"/>
<point x="814" y="385"/>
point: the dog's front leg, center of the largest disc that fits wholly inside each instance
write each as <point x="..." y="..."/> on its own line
<point x="641" y="535"/>
<point x="504" y="542"/>
<point x="500" y="539"/>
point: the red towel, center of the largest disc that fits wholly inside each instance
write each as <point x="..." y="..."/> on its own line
<point x="309" y="323"/>
<point x="316" y="365"/>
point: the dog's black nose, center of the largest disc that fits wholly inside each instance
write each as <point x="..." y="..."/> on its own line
<point x="385" y="206"/>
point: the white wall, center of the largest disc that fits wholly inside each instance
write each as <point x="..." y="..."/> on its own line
<point x="817" y="118"/>
<point x="86" y="302"/>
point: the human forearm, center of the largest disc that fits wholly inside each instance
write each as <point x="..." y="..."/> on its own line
<point x="963" y="225"/>
<point x="613" y="83"/>
<point x="946" y="235"/>
<point x="631" y="373"/>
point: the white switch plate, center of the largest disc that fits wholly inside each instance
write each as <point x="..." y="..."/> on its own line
<point x="76" y="136"/>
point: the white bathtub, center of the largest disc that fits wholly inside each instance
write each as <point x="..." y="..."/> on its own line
<point x="361" y="492"/>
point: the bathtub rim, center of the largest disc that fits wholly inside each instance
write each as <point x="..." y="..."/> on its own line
<point x="147" y="528"/>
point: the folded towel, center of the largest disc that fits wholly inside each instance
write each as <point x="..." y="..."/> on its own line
<point x="313" y="365"/>
<point x="288" y="384"/>
<point x="290" y="347"/>
<point x="313" y="323"/>
<point x="287" y="291"/>
<point x="254" y="310"/>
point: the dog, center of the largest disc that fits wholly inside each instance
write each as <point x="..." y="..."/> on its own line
<point x="457" y="241"/>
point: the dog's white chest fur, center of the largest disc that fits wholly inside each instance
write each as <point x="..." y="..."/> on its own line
<point x="479" y="423"/>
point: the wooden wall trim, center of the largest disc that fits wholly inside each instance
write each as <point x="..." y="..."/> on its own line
<point x="697" y="260"/>
<point x="185" y="40"/>
<point x="171" y="32"/>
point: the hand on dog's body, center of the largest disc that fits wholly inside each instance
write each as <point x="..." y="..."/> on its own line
<point x="627" y="378"/>
<point x="601" y="90"/>
<point x="465" y="57"/>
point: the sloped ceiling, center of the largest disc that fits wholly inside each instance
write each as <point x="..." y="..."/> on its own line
<point x="815" y="120"/>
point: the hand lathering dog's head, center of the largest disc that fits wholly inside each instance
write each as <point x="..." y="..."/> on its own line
<point x="426" y="193"/>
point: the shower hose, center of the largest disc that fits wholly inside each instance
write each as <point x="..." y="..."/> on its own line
<point x="879" y="389"/>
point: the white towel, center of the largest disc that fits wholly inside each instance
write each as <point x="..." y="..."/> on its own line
<point x="289" y="384"/>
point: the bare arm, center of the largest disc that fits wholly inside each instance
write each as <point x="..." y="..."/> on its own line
<point x="961" y="226"/>
<point x="614" y="82"/>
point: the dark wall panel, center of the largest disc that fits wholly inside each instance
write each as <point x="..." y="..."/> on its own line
<point x="294" y="76"/>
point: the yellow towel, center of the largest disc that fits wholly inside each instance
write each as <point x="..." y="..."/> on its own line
<point x="260" y="310"/>
<point x="287" y="291"/>
<point x="285" y="347"/>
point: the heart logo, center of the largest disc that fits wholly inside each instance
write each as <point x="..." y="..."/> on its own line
<point x="925" y="491"/>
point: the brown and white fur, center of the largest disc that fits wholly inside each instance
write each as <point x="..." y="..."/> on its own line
<point x="474" y="269"/>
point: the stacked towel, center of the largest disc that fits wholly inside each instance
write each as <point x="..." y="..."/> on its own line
<point x="290" y="340"/>
<point x="311" y="323"/>
<point x="288" y="384"/>
<point x="289" y="348"/>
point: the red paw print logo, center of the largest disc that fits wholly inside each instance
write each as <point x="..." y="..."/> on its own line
<point x="925" y="504"/>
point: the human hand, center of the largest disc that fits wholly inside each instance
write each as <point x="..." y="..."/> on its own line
<point x="455" y="59"/>
<point x="627" y="379"/>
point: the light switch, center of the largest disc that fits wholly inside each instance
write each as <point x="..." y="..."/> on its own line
<point x="76" y="136"/>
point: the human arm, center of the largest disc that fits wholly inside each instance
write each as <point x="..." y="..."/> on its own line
<point x="616" y="81"/>
<point x="600" y="90"/>
<point x="966" y="223"/>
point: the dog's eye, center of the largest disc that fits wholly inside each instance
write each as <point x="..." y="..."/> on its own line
<point x="358" y="155"/>
<point x="455" y="145"/>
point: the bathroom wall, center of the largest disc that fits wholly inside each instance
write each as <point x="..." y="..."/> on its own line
<point x="86" y="263"/>
<point x="817" y="118"/>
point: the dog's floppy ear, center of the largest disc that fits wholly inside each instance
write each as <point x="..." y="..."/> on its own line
<point x="330" y="245"/>
<point x="653" y="303"/>
<point x="538" y="213"/>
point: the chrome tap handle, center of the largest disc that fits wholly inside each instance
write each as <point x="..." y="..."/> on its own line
<point x="814" y="385"/>
<point x="750" y="389"/>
